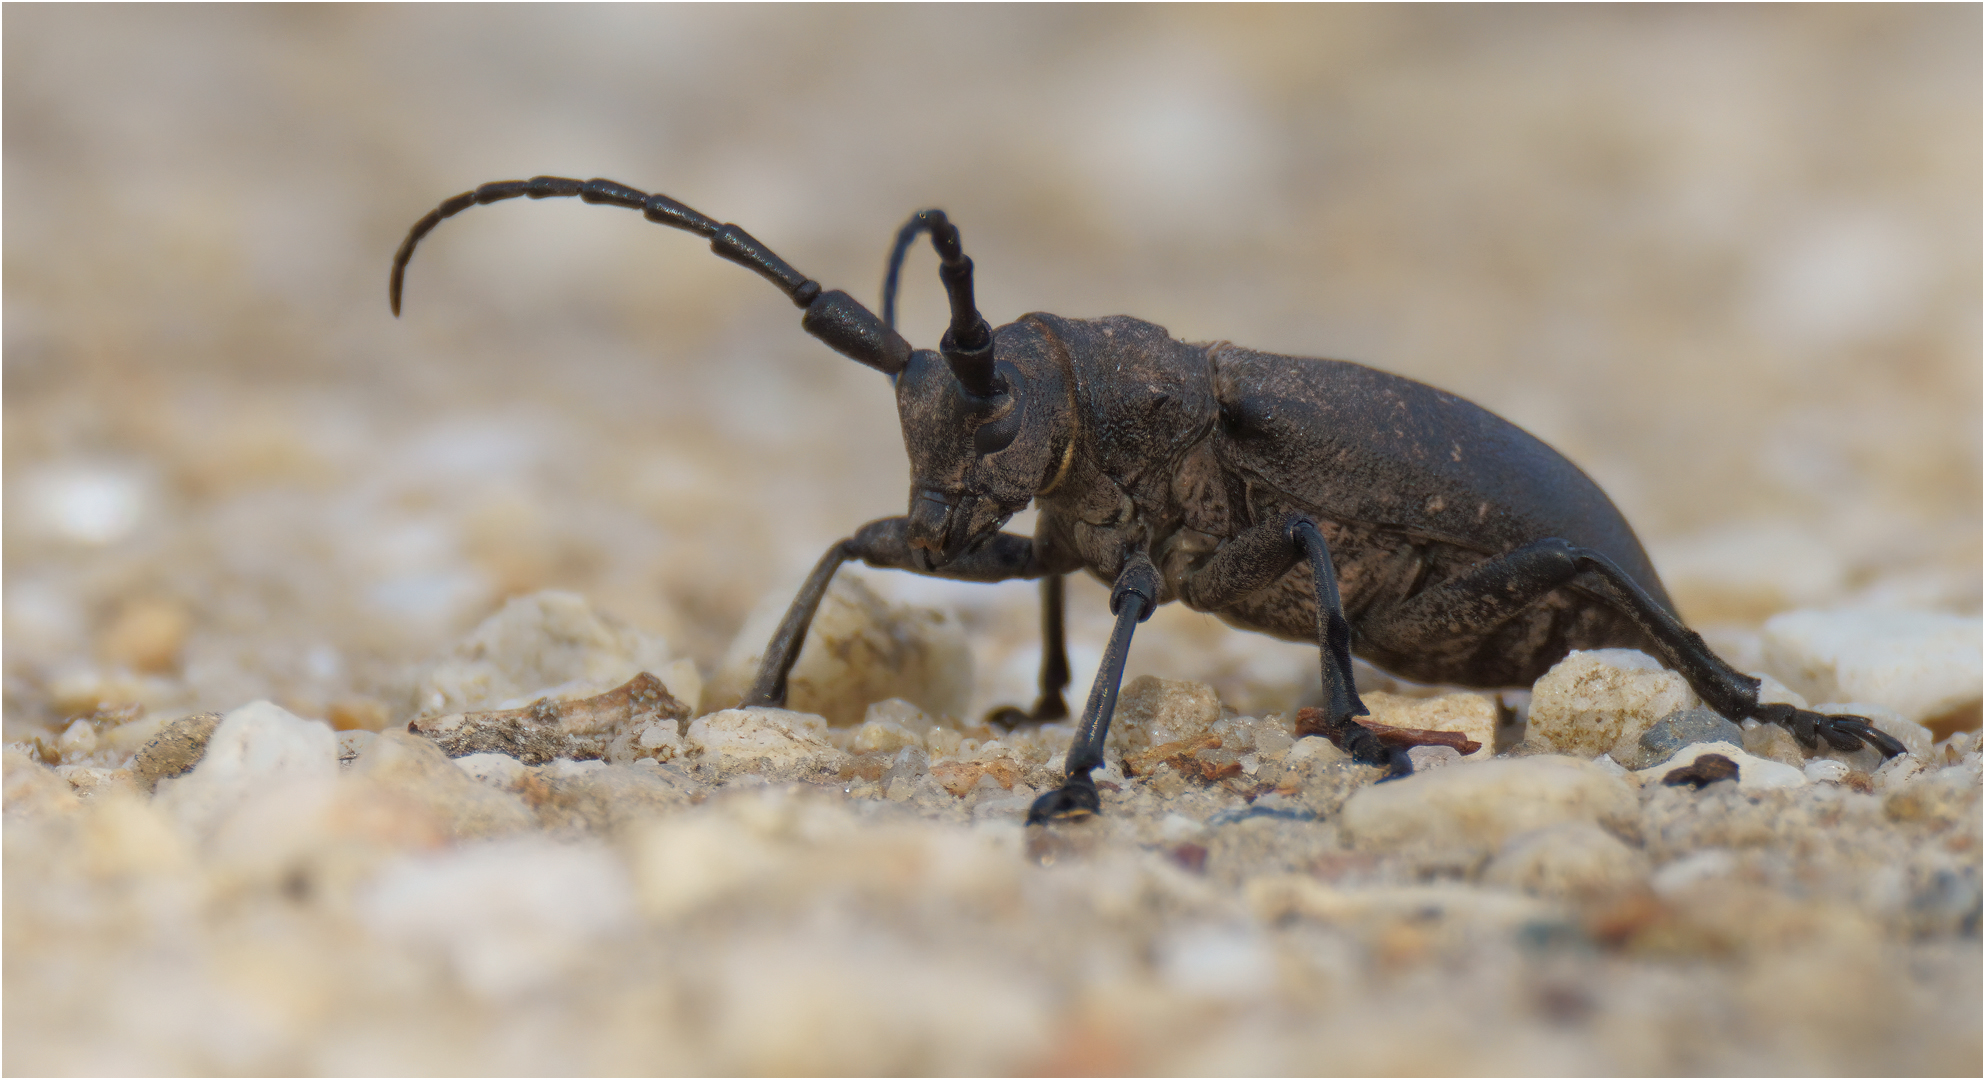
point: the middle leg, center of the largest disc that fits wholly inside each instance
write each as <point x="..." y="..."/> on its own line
<point x="1254" y="559"/>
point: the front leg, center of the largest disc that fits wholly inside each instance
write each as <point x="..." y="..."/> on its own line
<point x="1132" y="600"/>
<point x="885" y="545"/>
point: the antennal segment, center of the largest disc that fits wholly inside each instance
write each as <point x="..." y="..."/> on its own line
<point x="834" y="317"/>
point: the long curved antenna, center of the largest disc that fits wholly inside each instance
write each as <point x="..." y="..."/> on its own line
<point x="967" y="345"/>
<point x="834" y="317"/>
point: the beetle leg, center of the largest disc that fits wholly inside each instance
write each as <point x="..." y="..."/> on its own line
<point x="1497" y="590"/>
<point x="883" y="544"/>
<point x="1054" y="663"/>
<point x="1131" y="601"/>
<point x="1256" y="558"/>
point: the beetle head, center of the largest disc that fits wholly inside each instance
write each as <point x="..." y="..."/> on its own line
<point x="975" y="460"/>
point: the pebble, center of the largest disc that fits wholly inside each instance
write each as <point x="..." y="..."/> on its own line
<point x="1921" y="664"/>
<point x="1153" y="712"/>
<point x="32" y="789"/>
<point x="1773" y="743"/>
<point x="546" y="644"/>
<point x="1940" y="800"/>
<point x="608" y="797"/>
<point x="859" y="649"/>
<point x="1576" y="860"/>
<point x="508" y="916"/>
<point x="416" y="770"/>
<point x="1753" y="773"/>
<point x="638" y="719"/>
<point x="1480" y="805"/>
<point x="1826" y="770"/>
<point x="259" y="744"/>
<point x="176" y="749"/>
<point x="779" y="742"/>
<point x="1601" y="701"/>
<point x="1473" y="715"/>
<point x="1679" y="729"/>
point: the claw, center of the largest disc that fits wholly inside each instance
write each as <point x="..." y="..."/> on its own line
<point x="1398" y="766"/>
<point x="1844" y="733"/>
<point x="1852" y="726"/>
<point x="1072" y="801"/>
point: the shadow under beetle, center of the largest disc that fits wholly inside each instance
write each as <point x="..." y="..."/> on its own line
<point x="1315" y="500"/>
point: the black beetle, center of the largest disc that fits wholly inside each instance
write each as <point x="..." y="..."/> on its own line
<point x="1315" y="500"/>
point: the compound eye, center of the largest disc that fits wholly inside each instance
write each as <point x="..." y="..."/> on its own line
<point x="997" y="434"/>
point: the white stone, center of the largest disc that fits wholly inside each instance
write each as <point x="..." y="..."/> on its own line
<point x="859" y="649"/>
<point x="1152" y="712"/>
<point x="1822" y="770"/>
<point x="415" y="769"/>
<point x="259" y="744"/>
<point x="1753" y="773"/>
<point x="497" y="770"/>
<point x="508" y="915"/>
<point x="1481" y="804"/>
<point x="882" y="736"/>
<point x="1921" y="664"/>
<point x="1432" y="757"/>
<point x="1593" y="702"/>
<point x="1571" y="860"/>
<point x="1315" y="746"/>
<point x="1691" y="868"/>
<point x="1227" y="962"/>
<point x="546" y="644"/>
<point x="779" y="740"/>
<point x="1473" y="715"/>
<point x="1178" y="827"/>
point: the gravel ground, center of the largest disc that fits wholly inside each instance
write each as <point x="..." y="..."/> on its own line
<point x="1725" y="259"/>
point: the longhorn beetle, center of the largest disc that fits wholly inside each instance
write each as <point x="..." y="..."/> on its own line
<point x="1315" y="500"/>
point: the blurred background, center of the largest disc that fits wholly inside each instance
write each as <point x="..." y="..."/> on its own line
<point x="1726" y="259"/>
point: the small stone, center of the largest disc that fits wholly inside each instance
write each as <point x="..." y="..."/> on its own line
<point x="547" y="644"/>
<point x="1705" y="770"/>
<point x="415" y="769"/>
<point x="499" y="771"/>
<point x="656" y="740"/>
<point x="1432" y="757"/>
<point x="1753" y="773"/>
<point x="885" y="737"/>
<point x="1678" y="729"/>
<point x="352" y="745"/>
<point x="1593" y="702"/>
<point x="93" y="783"/>
<point x="76" y="742"/>
<point x="1471" y="715"/>
<point x="607" y="797"/>
<point x="1825" y="770"/>
<point x="636" y="719"/>
<point x="859" y="649"/>
<point x="1480" y="805"/>
<point x="32" y="789"/>
<point x="1773" y="743"/>
<point x="770" y="741"/>
<point x="1921" y="664"/>
<point x="510" y="915"/>
<point x="1940" y="800"/>
<point x="175" y="750"/>
<point x="1576" y="860"/>
<point x="1153" y="712"/>
<point x="257" y="745"/>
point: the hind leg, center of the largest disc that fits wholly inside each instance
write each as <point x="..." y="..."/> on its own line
<point x="1497" y="590"/>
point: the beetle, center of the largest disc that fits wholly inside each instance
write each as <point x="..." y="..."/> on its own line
<point x="1313" y="500"/>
